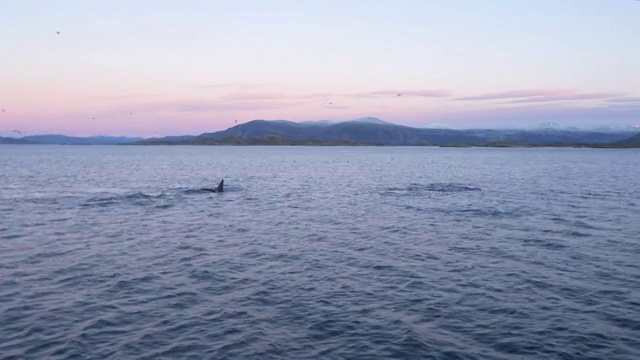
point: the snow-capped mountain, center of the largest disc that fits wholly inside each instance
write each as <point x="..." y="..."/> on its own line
<point x="435" y="126"/>
<point x="371" y="120"/>
<point x="365" y="120"/>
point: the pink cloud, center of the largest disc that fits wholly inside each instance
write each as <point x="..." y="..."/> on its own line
<point x="334" y="107"/>
<point x="420" y="93"/>
<point x="257" y="96"/>
<point x="566" y="97"/>
<point x="211" y="112"/>
<point x="520" y="94"/>
<point x="239" y="106"/>
<point x="250" y="102"/>
<point x="379" y="93"/>
<point x="372" y="94"/>
<point x="207" y="105"/>
<point x="234" y="85"/>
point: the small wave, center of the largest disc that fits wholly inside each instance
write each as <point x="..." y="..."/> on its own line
<point x="544" y="243"/>
<point x="144" y="196"/>
<point x="569" y="233"/>
<point x="450" y="187"/>
<point x="431" y="187"/>
<point x="576" y="223"/>
<point x="140" y="198"/>
<point x="489" y="212"/>
<point x="198" y="191"/>
<point x="202" y="190"/>
<point x="103" y="201"/>
<point x="11" y="236"/>
<point x="137" y="198"/>
<point x="46" y="200"/>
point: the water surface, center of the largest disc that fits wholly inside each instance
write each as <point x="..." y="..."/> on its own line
<point x="111" y="252"/>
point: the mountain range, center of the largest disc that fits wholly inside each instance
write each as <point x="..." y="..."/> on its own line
<point x="368" y="130"/>
<point x="635" y="139"/>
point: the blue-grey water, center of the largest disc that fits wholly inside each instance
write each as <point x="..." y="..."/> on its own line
<point x="111" y="252"/>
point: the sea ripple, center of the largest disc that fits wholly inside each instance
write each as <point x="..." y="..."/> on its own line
<point x="112" y="252"/>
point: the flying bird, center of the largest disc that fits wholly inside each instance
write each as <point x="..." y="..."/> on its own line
<point x="3" y="110"/>
<point x="399" y="95"/>
<point x="58" y="32"/>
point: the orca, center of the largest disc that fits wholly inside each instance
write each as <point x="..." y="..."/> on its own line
<point x="216" y="190"/>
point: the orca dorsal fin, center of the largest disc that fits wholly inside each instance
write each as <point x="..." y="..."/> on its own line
<point x="220" y="186"/>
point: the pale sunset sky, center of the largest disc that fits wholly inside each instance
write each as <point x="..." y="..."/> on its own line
<point x="123" y="67"/>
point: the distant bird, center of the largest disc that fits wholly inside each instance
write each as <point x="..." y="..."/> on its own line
<point x="399" y="95"/>
<point x="58" y="32"/>
<point x="236" y="121"/>
<point x="328" y="104"/>
<point x="93" y="118"/>
<point x="130" y="113"/>
<point x="3" y="110"/>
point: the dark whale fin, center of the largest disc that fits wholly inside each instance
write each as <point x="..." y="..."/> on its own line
<point x="219" y="188"/>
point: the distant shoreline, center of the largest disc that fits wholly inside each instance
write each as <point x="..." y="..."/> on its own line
<point x="597" y="146"/>
<point x="363" y="132"/>
<point x="278" y="141"/>
<point x="573" y="146"/>
<point x="332" y="144"/>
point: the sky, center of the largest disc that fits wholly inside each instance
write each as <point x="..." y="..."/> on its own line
<point x="148" y="68"/>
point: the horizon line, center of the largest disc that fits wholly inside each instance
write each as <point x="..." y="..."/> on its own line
<point x="428" y="126"/>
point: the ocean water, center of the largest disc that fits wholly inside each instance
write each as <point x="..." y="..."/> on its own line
<point x="112" y="252"/>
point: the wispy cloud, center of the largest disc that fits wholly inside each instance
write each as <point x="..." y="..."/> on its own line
<point x="535" y="114"/>
<point x="566" y="97"/>
<point x="626" y="99"/>
<point x="527" y="106"/>
<point x="545" y="95"/>
<point x="257" y="96"/>
<point x="284" y="97"/>
<point x="519" y="94"/>
<point x="334" y="107"/>
<point x="205" y="106"/>
<point x="624" y="106"/>
<point x="209" y="105"/>
<point x="236" y="85"/>
<point x="405" y="93"/>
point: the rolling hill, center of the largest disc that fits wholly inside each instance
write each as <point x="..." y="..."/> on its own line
<point x="13" y="141"/>
<point x="372" y="130"/>
<point x="632" y="140"/>
<point x="72" y="140"/>
<point x="366" y="130"/>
